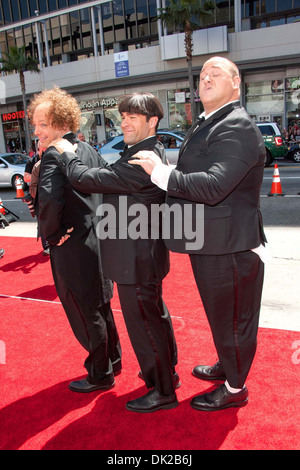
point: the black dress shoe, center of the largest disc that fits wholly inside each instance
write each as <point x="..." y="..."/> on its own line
<point x="152" y="401"/>
<point x="83" y="386"/>
<point x="176" y="378"/>
<point x="117" y="368"/>
<point x="214" y="372"/>
<point x="220" y="399"/>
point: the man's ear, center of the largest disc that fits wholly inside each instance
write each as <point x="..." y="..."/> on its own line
<point x="153" y="122"/>
<point x="236" y="81"/>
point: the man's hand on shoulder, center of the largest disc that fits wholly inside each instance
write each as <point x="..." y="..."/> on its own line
<point x="63" y="145"/>
<point x="147" y="159"/>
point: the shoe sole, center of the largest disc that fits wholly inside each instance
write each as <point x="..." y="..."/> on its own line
<point x="239" y="404"/>
<point x="163" y="407"/>
<point x="82" y="390"/>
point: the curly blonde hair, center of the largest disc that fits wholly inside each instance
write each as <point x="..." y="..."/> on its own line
<point x="63" y="111"/>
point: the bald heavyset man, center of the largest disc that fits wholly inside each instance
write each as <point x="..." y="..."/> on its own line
<point x="220" y="165"/>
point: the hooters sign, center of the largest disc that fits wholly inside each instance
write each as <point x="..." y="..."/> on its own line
<point x="13" y="116"/>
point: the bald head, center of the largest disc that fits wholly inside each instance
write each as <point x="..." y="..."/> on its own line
<point x="219" y="83"/>
<point x="225" y="63"/>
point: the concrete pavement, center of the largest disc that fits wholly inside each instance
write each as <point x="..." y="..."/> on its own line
<point x="281" y="297"/>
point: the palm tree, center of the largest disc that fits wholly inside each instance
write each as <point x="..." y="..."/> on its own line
<point x="181" y="12"/>
<point x="16" y="61"/>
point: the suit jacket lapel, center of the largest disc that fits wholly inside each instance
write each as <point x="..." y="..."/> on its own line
<point x="195" y="127"/>
<point x="202" y="123"/>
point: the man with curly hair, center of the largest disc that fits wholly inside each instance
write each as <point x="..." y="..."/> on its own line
<point x="76" y="262"/>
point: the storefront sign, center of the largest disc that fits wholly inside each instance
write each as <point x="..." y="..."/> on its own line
<point x="104" y="102"/>
<point x="121" y="64"/>
<point x="180" y="97"/>
<point x="13" y="116"/>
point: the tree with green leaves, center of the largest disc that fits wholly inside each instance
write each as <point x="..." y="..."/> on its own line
<point x="181" y="13"/>
<point x="16" y="61"/>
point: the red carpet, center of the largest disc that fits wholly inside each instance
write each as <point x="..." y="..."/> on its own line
<point x="39" y="357"/>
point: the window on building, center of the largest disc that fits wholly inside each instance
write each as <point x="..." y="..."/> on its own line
<point x="127" y="24"/>
<point x="268" y="6"/>
<point x="274" y="100"/>
<point x="143" y="17"/>
<point x="28" y="40"/>
<point x="15" y="12"/>
<point x="293" y="19"/>
<point x="10" y="38"/>
<point x="52" y="5"/>
<point x="223" y="11"/>
<point x="19" y="37"/>
<point x="86" y="28"/>
<point x="6" y="11"/>
<point x="267" y="104"/>
<point x="62" y="3"/>
<point x="265" y="13"/>
<point x="284" y="5"/>
<point x="2" y="42"/>
<point x="43" y="8"/>
<point x="24" y="10"/>
<point x="32" y="7"/>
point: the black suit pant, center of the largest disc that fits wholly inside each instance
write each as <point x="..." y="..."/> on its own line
<point x="230" y="287"/>
<point x="151" y="333"/>
<point x="94" y="327"/>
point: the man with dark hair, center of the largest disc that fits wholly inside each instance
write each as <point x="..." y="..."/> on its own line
<point x="137" y="262"/>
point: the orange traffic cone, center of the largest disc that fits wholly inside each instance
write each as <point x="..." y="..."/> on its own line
<point x="20" y="192"/>
<point x="2" y="210"/>
<point x="276" y="185"/>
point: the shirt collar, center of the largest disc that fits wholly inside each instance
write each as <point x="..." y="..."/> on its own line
<point x="206" y="116"/>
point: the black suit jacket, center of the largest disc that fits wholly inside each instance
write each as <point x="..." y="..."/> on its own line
<point x="125" y="260"/>
<point x="78" y="261"/>
<point x="221" y="166"/>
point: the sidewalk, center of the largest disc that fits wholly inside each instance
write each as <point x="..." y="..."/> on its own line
<point x="281" y="299"/>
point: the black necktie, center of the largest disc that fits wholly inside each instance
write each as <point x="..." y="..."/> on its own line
<point x="195" y="126"/>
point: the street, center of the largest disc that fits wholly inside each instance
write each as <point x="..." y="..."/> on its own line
<point x="277" y="211"/>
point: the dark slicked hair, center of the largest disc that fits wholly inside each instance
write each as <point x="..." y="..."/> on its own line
<point x="142" y="103"/>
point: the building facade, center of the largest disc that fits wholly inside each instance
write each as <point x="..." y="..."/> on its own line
<point x="100" y="50"/>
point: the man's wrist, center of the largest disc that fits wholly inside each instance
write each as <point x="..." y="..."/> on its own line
<point x="160" y="175"/>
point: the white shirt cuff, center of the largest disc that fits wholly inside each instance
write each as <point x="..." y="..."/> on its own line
<point x="160" y="175"/>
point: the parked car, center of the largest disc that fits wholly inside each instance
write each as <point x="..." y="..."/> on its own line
<point x="274" y="143"/>
<point x="293" y="152"/>
<point x="11" y="166"/>
<point x="171" y="140"/>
